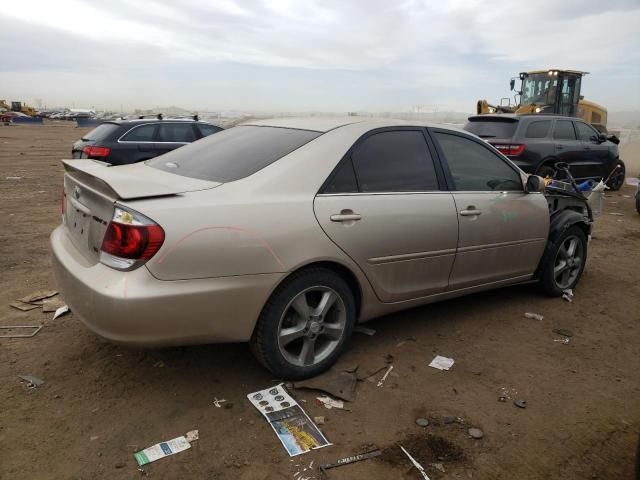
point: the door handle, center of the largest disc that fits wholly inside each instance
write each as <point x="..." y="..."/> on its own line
<point x="470" y="212"/>
<point x="587" y="148"/>
<point x="345" y="216"/>
<point x="559" y="147"/>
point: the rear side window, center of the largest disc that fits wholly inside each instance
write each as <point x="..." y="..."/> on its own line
<point x="206" y="129"/>
<point x="585" y="132"/>
<point x="234" y="153"/>
<point x="101" y="132"/>
<point x="475" y="168"/>
<point x="538" y="129"/>
<point x="344" y="180"/>
<point x="395" y="161"/>
<point x="143" y="133"/>
<point x="176" y="132"/>
<point x="564" y="130"/>
<point x="495" y="128"/>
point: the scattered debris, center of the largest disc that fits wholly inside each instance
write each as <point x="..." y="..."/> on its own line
<point x="520" y="403"/>
<point x="534" y="316"/>
<point x="352" y="459"/>
<point x="422" y="422"/>
<point x="442" y="363"/>
<point x="568" y="295"/>
<point x="295" y="430"/>
<point x="384" y="377"/>
<point x="367" y="331"/>
<point x="502" y="398"/>
<point x="192" y="435"/>
<point x="218" y="402"/>
<point x="616" y="214"/>
<point x="52" y="305"/>
<point x="93" y="438"/>
<point x="330" y="403"/>
<point x="36" y="328"/>
<point x="38" y="295"/>
<point x="32" y="382"/>
<point x="13" y="178"/>
<point x="159" y="364"/>
<point x="319" y="420"/>
<point x="419" y="467"/>
<point x="438" y="466"/>
<point x="60" y="311"/>
<point x="340" y="385"/>
<point x="25" y="307"/>
<point x="164" y="449"/>
<point x="476" y="433"/>
<point x="564" y="341"/>
<point x="563" y="331"/>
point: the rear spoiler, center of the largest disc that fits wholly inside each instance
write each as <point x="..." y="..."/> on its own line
<point x="133" y="181"/>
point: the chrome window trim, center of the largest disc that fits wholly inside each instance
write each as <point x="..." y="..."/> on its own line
<point x="151" y="141"/>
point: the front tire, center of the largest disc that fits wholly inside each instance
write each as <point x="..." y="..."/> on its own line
<point x="565" y="263"/>
<point x="617" y="179"/>
<point x="305" y="325"/>
<point x="546" y="171"/>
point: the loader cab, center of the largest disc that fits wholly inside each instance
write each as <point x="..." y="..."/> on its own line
<point x="550" y="91"/>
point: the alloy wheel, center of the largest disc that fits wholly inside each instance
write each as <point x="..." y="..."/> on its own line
<point x="312" y="326"/>
<point x="568" y="262"/>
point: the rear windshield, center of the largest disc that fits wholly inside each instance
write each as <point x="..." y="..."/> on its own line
<point x="234" y="153"/>
<point x="101" y="132"/>
<point x="492" y="128"/>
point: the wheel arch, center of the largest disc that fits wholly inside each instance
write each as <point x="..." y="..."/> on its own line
<point x="548" y="161"/>
<point x="560" y="222"/>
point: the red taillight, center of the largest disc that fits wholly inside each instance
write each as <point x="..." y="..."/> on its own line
<point x="130" y="240"/>
<point x="96" y="151"/>
<point x="135" y="242"/>
<point x="509" y="149"/>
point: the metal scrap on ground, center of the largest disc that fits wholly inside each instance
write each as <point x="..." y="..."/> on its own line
<point x="32" y="382"/>
<point x="384" y="377"/>
<point x="419" y="467"/>
<point x="534" y="316"/>
<point x="36" y="328"/>
<point x="352" y="459"/>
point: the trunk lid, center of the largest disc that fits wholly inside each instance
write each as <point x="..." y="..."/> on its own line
<point x="91" y="189"/>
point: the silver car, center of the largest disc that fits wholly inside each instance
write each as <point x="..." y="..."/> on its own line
<point x="286" y="233"/>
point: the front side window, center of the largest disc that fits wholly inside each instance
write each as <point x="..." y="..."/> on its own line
<point x="176" y="132"/>
<point x="564" y="130"/>
<point x="143" y="133"/>
<point x="394" y="161"/>
<point x="585" y="132"/>
<point x="476" y="168"/>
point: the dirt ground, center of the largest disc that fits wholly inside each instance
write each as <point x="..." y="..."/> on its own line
<point x="101" y="402"/>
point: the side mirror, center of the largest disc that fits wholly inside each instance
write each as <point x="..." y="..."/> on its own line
<point x="535" y="184"/>
<point x="602" y="137"/>
<point x="512" y="83"/>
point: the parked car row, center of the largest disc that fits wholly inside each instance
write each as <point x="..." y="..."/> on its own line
<point x="286" y="233"/>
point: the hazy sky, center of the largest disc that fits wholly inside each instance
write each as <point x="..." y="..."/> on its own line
<point x="296" y="55"/>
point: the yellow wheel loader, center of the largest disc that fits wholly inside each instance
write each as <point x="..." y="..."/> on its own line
<point x="553" y="92"/>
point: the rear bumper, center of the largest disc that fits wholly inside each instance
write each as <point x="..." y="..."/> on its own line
<point x="135" y="308"/>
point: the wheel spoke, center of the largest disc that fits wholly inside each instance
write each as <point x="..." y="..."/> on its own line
<point x="573" y="243"/>
<point x="307" y="354"/>
<point x="560" y="267"/>
<point x="326" y="302"/>
<point x="288" y="335"/>
<point x="565" y="277"/>
<point x="333" y="330"/>
<point x="562" y="252"/>
<point x="301" y="306"/>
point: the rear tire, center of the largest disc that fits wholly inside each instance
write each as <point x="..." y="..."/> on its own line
<point x="617" y="179"/>
<point x="565" y="262"/>
<point x="305" y="325"/>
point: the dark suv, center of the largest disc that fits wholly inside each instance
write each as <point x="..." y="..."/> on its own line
<point x="537" y="142"/>
<point x="121" y="142"/>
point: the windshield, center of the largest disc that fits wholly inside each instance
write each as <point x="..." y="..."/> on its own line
<point x="539" y="88"/>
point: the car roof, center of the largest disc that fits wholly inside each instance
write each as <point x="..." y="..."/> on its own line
<point x="515" y="117"/>
<point x="133" y="121"/>
<point x="324" y="124"/>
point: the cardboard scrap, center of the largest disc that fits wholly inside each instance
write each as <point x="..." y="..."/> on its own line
<point x="340" y="385"/>
<point x="39" y="295"/>
<point x="52" y="305"/>
<point x="25" y="307"/>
